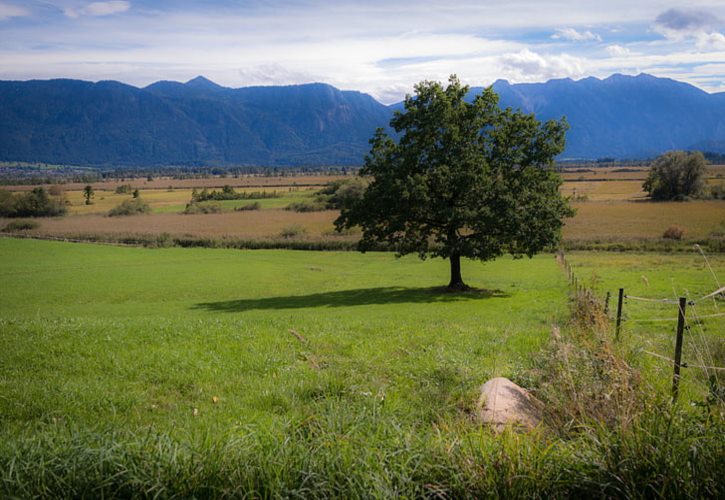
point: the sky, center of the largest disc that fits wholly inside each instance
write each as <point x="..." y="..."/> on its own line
<point x="381" y="47"/>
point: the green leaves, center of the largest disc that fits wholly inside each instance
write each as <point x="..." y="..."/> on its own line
<point x="677" y="175"/>
<point x="463" y="178"/>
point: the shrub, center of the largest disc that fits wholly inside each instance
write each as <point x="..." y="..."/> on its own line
<point x="306" y="206"/>
<point x="124" y="189"/>
<point x="134" y="206"/>
<point x="677" y="175"/>
<point x="342" y="192"/>
<point x="35" y="203"/>
<point x="674" y="233"/>
<point x="203" y="207"/>
<point x="293" y="231"/>
<point x="228" y="193"/>
<point x="20" y="225"/>
<point x="248" y="206"/>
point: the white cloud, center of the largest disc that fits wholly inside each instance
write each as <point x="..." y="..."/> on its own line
<point x="576" y="36"/>
<point x="97" y="9"/>
<point x="710" y="41"/>
<point x="382" y="47"/>
<point x="617" y="50"/>
<point x="528" y="66"/>
<point x="8" y="10"/>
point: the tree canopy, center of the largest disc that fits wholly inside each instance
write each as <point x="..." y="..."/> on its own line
<point x="677" y="175"/>
<point x="461" y="179"/>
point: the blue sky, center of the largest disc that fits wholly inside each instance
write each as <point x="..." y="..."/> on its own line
<point x="381" y="47"/>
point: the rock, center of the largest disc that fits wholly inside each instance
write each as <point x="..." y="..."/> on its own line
<point x="503" y="403"/>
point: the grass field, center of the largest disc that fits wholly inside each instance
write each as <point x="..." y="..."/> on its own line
<point x="611" y="208"/>
<point x="176" y="372"/>
<point x="199" y="372"/>
<point x="651" y="326"/>
<point x="148" y="335"/>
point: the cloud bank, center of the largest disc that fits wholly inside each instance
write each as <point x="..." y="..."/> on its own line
<point x="382" y="47"/>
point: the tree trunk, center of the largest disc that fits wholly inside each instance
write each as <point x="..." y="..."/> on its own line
<point x="456" y="283"/>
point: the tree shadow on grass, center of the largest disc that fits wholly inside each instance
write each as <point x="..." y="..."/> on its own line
<point x="356" y="297"/>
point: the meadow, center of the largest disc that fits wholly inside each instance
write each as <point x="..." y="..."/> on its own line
<point x="216" y="372"/>
<point x="209" y="372"/>
<point x="611" y="212"/>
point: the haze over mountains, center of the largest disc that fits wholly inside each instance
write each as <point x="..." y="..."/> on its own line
<point x="200" y="122"/>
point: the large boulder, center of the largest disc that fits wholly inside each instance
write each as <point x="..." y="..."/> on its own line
<point x="503" y="403"/>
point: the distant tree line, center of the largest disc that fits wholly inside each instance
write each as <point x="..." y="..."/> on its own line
<point x="37" y="174"/>
<point x="228" y="193"/>
<point x="35" y="203"/>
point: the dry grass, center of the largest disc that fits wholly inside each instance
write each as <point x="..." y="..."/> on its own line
<point x="248" y="224"/>
<point x="614" y="190"/>
<point x="616" y="221"/>
<point x="613" y="211"/>
<point x="163" y="183"/>
<point x="595" y="221"/>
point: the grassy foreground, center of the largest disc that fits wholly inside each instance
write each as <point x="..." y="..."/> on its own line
<point x="195" y="372"/>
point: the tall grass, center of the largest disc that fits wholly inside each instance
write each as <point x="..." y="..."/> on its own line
<point x="665" y="453"/>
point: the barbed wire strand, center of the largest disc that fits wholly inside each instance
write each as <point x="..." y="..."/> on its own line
<point x="701" y="331"/>
<point x="712" y="271"/>
<point x="646" y="299"/>
<point x="682" y="364"/>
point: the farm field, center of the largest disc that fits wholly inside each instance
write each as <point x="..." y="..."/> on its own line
<point x="285" y="372"/>
<point x="610" y="208"/>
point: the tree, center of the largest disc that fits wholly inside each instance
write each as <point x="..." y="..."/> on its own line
<point x="677" y="175"/>
<point x="34" y="203"/>
<point x="88" y="194"/>
<point x="465" y="179"/>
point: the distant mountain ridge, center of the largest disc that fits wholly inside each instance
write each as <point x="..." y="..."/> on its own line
<point x="202" y="123"/>
<point x="624" y="116"/>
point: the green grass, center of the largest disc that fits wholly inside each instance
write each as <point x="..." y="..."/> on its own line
<point x="284" y="199"/>
<point x="137" y="336"/>
<point x="649" y="326"/>
<point x="172" y="372"/>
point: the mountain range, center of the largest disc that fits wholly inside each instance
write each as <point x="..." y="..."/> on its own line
<point x="201" y="123"/>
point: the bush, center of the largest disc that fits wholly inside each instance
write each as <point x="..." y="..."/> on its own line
<point x="293" y="231"/>
<point x="248" y="206"/>
<point x="124" y="189"/>
<point x="677" y="175"/>
<point x="674" y="233"/>
<point x="306" y="206"/>
<point x="203" y="207"/>
<point x="342" y="192"/>
<point x="228" y="193"/>
<point x="20" y="225"/>
<point x="35" y="203"/>
<point x="134" y="206"/>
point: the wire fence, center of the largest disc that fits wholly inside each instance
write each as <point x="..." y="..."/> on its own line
<point x="687" y="318"/>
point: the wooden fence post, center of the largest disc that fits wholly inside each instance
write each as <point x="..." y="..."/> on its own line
<point x="619" y="313"/>
<point x="606" y="304"/>
<point x="678" y="348"/>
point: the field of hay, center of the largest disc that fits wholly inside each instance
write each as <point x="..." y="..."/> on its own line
<point x="610" y="204"/>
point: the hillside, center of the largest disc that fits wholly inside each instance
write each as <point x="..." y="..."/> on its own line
<point x="202" y="123"/>
<point x="624" y="116"/>
<point x="199" y="122"/>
